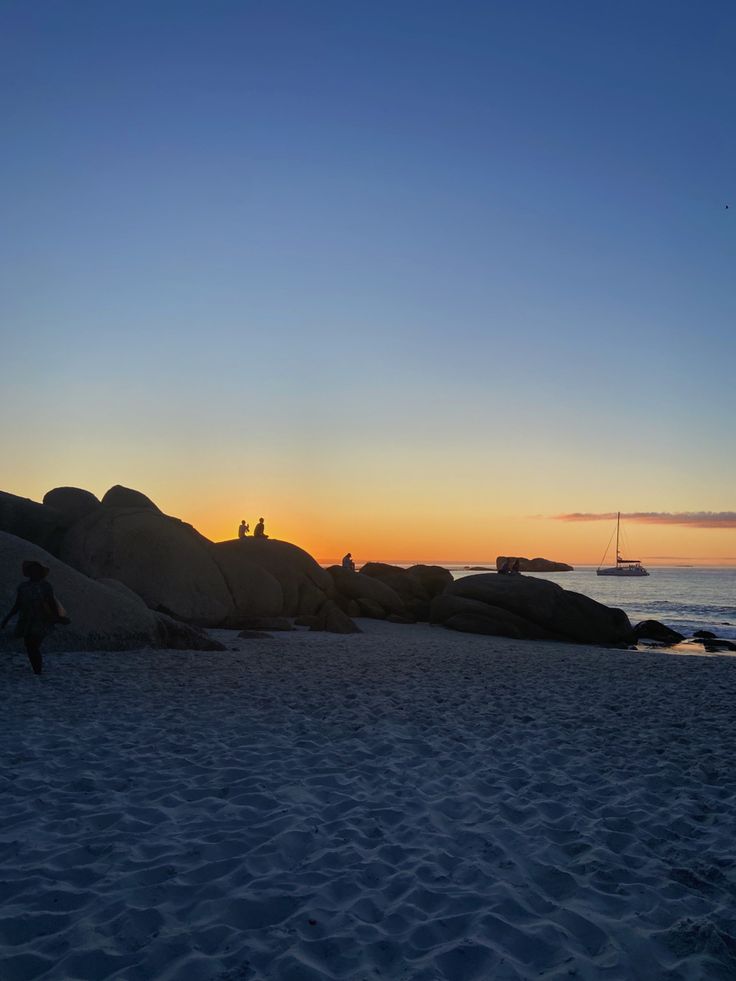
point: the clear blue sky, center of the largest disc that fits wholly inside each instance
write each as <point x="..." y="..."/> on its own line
<point x="344" y="233"/>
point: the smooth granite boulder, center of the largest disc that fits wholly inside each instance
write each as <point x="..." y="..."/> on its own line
<point x="371" y="594"/>
<point x="254" y="591"/>
<point x="474" y="616"/>
<point x="416" y="585"/>
<point x="370" y="608"/>
<point x="124" y="497"/>
<point x="495" y="623"/>
<point x="102" y="617"/>
<point x="304" y="583"/>
<point x="331" y="619"/>
<point x="658" y="632"/>
<point x="433" y="578"/>
<point x="544" y="606"/>
<point x="72" y="502"/>
<point x="31" y="521"/>
<point x="166" y="562"/>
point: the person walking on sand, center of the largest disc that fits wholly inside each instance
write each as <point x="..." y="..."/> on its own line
<point x="243" y="529"/>
<point x="347" y="562"/>
<point x="260" y="529"/>
<point x="37" y="611"/>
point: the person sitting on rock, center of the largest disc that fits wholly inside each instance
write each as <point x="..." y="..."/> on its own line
<point x="505" y="569"/>
<point x="260" y="529"/>
<point x="347" y="562"/>
<point x="243" y="529"/>
<point x="37" y="611"/>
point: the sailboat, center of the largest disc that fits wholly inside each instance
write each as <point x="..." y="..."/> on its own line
<point x="623" y="567"/>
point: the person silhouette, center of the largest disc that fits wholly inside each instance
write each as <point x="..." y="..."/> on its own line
<point x="243" y="529"/>
<point x="37" y="611"/>
<point x="347" y="562"/>
<point x="260" y="529"/>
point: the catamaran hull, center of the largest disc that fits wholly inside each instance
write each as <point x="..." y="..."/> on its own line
<point x="622" y="572"/>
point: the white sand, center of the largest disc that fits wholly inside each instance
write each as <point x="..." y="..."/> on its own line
<point x="405" y="804"/>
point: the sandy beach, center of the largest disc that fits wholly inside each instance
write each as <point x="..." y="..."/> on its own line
<point x="407" y="803"/>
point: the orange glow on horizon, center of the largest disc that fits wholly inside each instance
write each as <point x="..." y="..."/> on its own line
<point x="407" y="541"/>
<point x="452" y="523"/>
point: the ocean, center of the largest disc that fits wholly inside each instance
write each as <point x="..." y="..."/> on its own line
<point x="686" y="599"/>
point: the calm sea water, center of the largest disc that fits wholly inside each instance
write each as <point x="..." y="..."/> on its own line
<point x="684" y="599"/>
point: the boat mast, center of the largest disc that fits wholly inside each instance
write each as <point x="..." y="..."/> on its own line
<point x="618" y="521"/>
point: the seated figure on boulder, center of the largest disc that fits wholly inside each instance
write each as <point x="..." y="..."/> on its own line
<point x="347" y="562"/>
<point x="243" y="529"/>
<point x="260" y="529"/>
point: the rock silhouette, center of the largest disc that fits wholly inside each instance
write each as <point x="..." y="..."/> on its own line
<point x="381" y="590"/>
<point x="104" y="616"/>
<point x="166" y="562"/>
<point x="267" y="577"/>
<point x="37" y="523"/>
<point x="174" y="570"/>
<point x="531" y="608"/>
<point x="534" y="565"/>
<point x="72" y="502"/>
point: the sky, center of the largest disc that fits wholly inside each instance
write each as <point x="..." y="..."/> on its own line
<point x="420" y="280"/>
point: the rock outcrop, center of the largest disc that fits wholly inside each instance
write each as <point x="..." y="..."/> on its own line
<point x="519" y="606"/>
<point x="166" y="562"/>
<point x="268" y="577"/>
<point x="124" y="497"/>
<point x="37" y="523"/>
<point x="534" y="565"/>
<point x="372" y="597"/>
<point x="380" y="590"/>
<point x="103" y="616"/>
<point x="416" y="586"/>
<point x="658" y="632"/>
<point x="176" y="571"/>
<point x="72" y="503"/>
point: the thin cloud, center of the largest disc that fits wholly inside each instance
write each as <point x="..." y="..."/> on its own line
<point x="689" y="519"/>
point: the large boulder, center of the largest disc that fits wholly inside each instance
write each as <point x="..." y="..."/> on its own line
<point x="370" y="593"/>
<point x="416" y="585"/>
<point x="304" y="583"/>
<point x="331" y="619"/>
<point x="254" y="591"/>
<point x="434" y="579"/>
<point x="163" y="560"/>
<point x="539" y="608"/>
<point x="71" y="502"/>
<point x="34" y="522"/>
<point x="103" y="617"/>
<point x="533" y="565"/>
<point x="658" y="632"/>
<point x="476" y="617"/>
<point x="124" y="497"/>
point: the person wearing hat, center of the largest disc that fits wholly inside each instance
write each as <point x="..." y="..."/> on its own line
<point x="37" y="611"/>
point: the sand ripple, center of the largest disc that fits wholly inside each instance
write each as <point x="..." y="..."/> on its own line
<point x="406" y="804"/>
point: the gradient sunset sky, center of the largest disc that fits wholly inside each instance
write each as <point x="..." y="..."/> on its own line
<point x="425" y="281"/>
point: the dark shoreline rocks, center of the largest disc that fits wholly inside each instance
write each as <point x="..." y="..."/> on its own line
<point x="533" y="565"/>
<point x="529" y="608"/>
<point x="658" y="632"/>
<point x="382" y="591"/>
